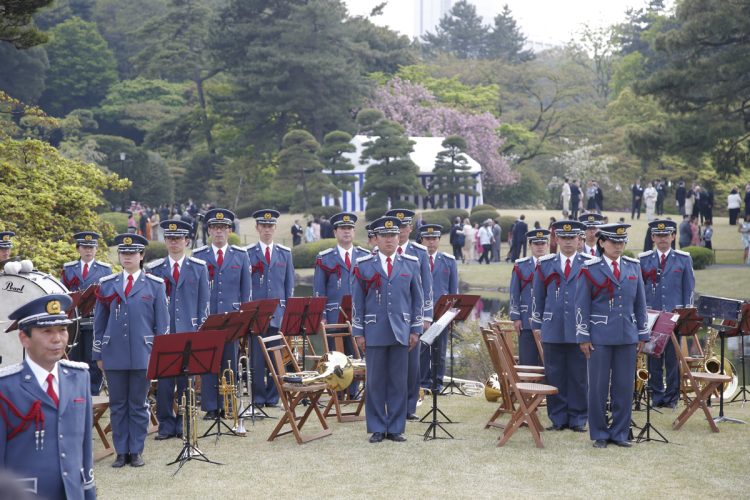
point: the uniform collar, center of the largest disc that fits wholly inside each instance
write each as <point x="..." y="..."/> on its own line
<point x="91" y="264"/>
<point x="40" y="374"/>
<point x="216" y="250"/>
<point x="179" y="262"/>
<point x="263" y="247"/>
<point x="659" y="254"/>
<point x="383" y="257"/>
<point x="609" y="261"/>
<point x="342" y="252"/>
<point x="136" y="275"/>
<point x="402" y="247"/>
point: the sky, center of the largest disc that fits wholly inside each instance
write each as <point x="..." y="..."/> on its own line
<point x="544" y="21"/>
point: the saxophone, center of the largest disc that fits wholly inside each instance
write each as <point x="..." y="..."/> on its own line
<point x="712" y="364"/>
<point x="641" y="373"/>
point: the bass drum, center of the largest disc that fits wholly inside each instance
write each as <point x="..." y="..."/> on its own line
<point x="15" y="291"/>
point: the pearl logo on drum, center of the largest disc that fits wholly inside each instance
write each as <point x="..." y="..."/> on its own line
<point x="9" y="287"/>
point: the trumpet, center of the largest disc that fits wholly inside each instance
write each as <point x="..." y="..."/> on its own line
<point x="189" y="413"/>
<point x="228" y="390"/>
<point x="243" y="376"/>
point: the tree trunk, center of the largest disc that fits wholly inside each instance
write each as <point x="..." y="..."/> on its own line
<point x="203" y="114"/>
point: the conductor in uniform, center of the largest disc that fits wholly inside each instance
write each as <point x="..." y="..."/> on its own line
<point x="186" y="283"/>
<point x="78" y="275"/>
<point x="387" y="304"/>
<point x="6" y="244"/>
<point x="407" y="247"/>
<point x="272" y="272"/>
<point x="670" y="282"/>
<point x="131" y="309"/>
<point x="444" y="282"/>
<point x="45" y="404"/>
<point x="521" y="284"/>
<point x="611" y="328"/>
<point x="229" y="285"/>
<point x="554" y="290"/>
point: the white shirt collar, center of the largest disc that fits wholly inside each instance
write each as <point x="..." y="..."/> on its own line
<point x="136" y="275"/>
<point x="666" y="254"/>
<point x="91" y="264"/>
<point x="342" y="253"/>
<point x="609" y="262"/>
<point x="40" y="374"/>
<point x="263" y="247"/>
<point x="179" y="262"/>
<point x="563" y="258"/>
<point x="223" y="250"/>
<point x="384" y="263"/>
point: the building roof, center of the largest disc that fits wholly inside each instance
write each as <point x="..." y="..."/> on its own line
<point x="424" y="154"/>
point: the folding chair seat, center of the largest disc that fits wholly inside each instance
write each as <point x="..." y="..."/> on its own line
<point x="506" y="332"/>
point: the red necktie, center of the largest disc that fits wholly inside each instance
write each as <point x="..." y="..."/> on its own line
<point x="615" y="270"/>
<point x="129" y="286"/>
<point x="268" y="255"/>
<point x="85" y="270"/>
<point x="663" y="261"/>
<point x="348" y="262"/>
<point x="399" y="250"/>
<point x="389" y="266"/>
<point x="176" y="273"/>
<point x="220" y="258"/>
<point x="432" y="264"/>
<point x="51" y="389"/>
<point x="593" y="252"/>
<point x="567" y="268"/>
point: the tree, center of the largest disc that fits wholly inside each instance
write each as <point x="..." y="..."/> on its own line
<point x="460" y="32"/>
<point x="393" y="174"/>
<point x="23" y="71"/>
<point x="46" y="198"/>
<point x="379" y="49"/>
<point x="16" y="23"/>
<point x="595" y="51"/>
<point x="451" y="174"/>
<point x="81" y="67"/>
<point x="335" y="144"/>
<point x="505" y="40"/>
<point x="300" y="175"/>
<point x="63" y="10"/>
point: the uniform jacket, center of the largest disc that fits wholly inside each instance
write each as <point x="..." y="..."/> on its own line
<point x="611" y="311"/>
<point x="669" y="288"/>
<point x="230" y="285"/>
<point x="387" y="310"/>
<point x="521" y="283"/>
<point x="444" y="275"/>
<point x="274" y="281"/>
<point x="124" y="328"/>
<point x="189" y="298"/>
<point x="420" y="252"/>
<point x="59" y="464"/>
<point x="72" y="276"/>
<point x="332" y="279"/>
<point x="553" y="303"/>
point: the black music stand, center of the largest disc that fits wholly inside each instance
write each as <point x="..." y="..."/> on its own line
<point x="302" y="317"/>
<point x="743" y="327"/>
<point x="720" y="308"/>
<point x="183" y="355"/>
<point x="230" y="326"/>
<point x="262" y="311"/>
<point x="464" y="303"/>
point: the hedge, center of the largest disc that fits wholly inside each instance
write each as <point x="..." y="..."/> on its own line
<point x="155" y="250"/>
<point x="482" y="215"/>
<point x="702" y="257"/>
<point x="506" y="222"/>
<point x="484" y="207"/>
<point x="374" y="213"/>
<point x="326" y="212"/>
<point x="452" y="213"/>
<point x="118" y="220"/>
<point x="304" y="255"/>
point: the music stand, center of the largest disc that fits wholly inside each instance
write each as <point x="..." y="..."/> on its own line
<point x="230" y="326"/>
<point x="262" y="311"/>
<point x="302" y="317"/>
<point x="743" y="327"/>
<point x="464" y="303"/>
<point x="430" y="338"/>
<point x="183" y="355"/>
<point x="722" y="309"/>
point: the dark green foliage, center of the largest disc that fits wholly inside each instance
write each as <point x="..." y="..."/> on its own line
<point x="452" y="213"/>
<point x="505" y="40"/>
<point x="506" y="222"/>
<point x="155" y="250"/>
<point x="461" y="33"/>
<point x="335" y="144"/>
<point x="304" y="255"/>
<point x="529" y="191"/>
<point x="437" y="217"/>
<point x="63" y="10"/>
<point x="378" y="48"/>
<point x="484" y="206"/>
<point x="23" y="71"/>
<point x="702" y="257"/>
<point x="16" y="24"/>
<point x="326" y="212"/>
<point x="482" y="215"/>
<point x="81" y="67"/>
<point x="451" y="174"/>
<point x="118" y="220"/>
<point x="373" y="213"/>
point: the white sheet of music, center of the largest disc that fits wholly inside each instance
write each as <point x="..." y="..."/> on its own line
<point x="438" y="326"/>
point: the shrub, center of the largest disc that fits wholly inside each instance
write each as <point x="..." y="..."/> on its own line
<point x="118" y="220"/>
<point x="629" y="253"/>
<point x="506" y="222"/>
<point x="326" y="212"/>
<point x="452" y="213"/>
<point x="155" y="250"/>
<point x="373" y="213"/>
<point x="483" y="215"/>
<point x="233" y="239"/>
<point x="304" y="255"/>
<point x="529" y="191"/>
<point x="702" y="257"/>
<point x="437" y="217"/>
<point x="404" y="204"/>
<point x="483" y="207"/>
<point x="247" y="210"/>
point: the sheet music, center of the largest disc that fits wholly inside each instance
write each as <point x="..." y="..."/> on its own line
<point x="438" y="326"/>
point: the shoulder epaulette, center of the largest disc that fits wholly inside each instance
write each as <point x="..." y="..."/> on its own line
<point x="419" y="245"/>
<point x="631" y="259"/>
<point x="74" y="364"/>
<point x="284" y="247"/>
<point x="237" y="247"/>
<point x="410" y="257"/>
<point x="366" y="257"/>
<point x="547" y="257"/>
<point x="586" y="255"/>
<point x="105" y="264"/>
<point x="10" y="370"/>
<point x="71" y="263"/>
<point x="155" y="278"/>
<point x="363" y="249"/>
<point x="200" y="249"/>
<point x="325" y="252"/>
<point x="681" y="252"/>
<point x="592" y="260"/>
<point x="645" y="254"/>
<point x="522" y="259"/>
<point x="197" y="260"/>
<point x="111" y="276"/>
<point x="453" y="257"/>
<point x="156" y="263"/>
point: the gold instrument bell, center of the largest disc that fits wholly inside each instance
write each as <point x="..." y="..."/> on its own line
<point x="334" y="368"/>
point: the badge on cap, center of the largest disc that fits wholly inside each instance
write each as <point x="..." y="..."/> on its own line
<point x="346" y="218"/>
<point x="87" y="237"/>
<point x="567" y="227"/>
<point x="173" y="227"/>
<point x="6" y="237"/>
<point x="267" y="215"/>
<point x="661" y="225"/>
<point x="127" y="240"/>
<point x="400" y="215"/>
<point x="620" y="230"/>
<point x="539" y="234"/>
<point x="430" y="229"/>
<point x="592" y="218"/>
<point x="389" y="223"/>
<point x="53" y="307"/>
<point x="220" y="215"/>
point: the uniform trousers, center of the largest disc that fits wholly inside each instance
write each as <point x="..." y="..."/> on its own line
<point x="82" y="352"/>
<point x="611" y="374"/>
<point x="528" y="353"/>
<point x="128" y="408"/>
<point x="385" y="405"/>
<point x="264" y="388"/>
<point x="169" y="422"/>
<point x="565" y="368"/>
<point x="413" y="378"/>
<point x="670" y="394"/>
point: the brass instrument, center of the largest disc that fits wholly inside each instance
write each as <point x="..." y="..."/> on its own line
<point x="334" y="368"/>
<point x="641" y="373"/>
<point x="296" y="344"/>
<point x="712" y="364"/>
<point x="492" y="388"/>
<point x="228" y="390"/>
<point x="243" y="377"/>
<point x="189" y="412"/>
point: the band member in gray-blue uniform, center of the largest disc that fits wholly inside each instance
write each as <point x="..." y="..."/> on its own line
<point x="45" y="408"/>
<point x="229" y="283"/>
<point x="521" y="284"/>
<point x="444" y="282"/>
<point x="554" y="315"/>
<point x="407" y="247"/>
<point x="186" y="282"/>
<point x="6" y="244"/>
<point x="131" y="309"/>
<point x="592" y="221"/>
<point x="387" y="321"/>
<point x="78" y="275"/>
<point x="611" y="328"/>
<point x="670" y="282"/>
<point x="272" y="272"/>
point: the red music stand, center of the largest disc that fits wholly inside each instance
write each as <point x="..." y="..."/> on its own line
<point x="464" y="303"/>
<point x="302" y="317"/>
<point x="345" y="310"/>
<point x="262" y="311"/>
<point x="186" y="354"/>
<point x="84" y="300"/>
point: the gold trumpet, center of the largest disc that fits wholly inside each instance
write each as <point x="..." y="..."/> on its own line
<point x="243" y="377"/>
<point x="189" y="412"/>
<point x="228" y="390"/>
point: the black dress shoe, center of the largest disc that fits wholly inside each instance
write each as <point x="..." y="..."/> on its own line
<point x="136" y="460"/>
<point x="600" y="443"/>
<point x="578" y="428"/>
<point x="622" y="444"/>
<point x="554" y="427"/>
<point x="376" y="437"/>
<point x="271" y="405"/>
<point x="211" y="415"/>
<point x="120" y="461"/>
<point x="179" y="435"/>
<point x="412" y="416"/>
<point x="162" y="437"/>
<point x="397" y="437"/>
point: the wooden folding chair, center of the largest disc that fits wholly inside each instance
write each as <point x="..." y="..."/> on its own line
<point x="506" y="332"/>
<point x="703" y="385"/>
<point x="100" y="405"/>
<point x="291" y="394"/>
<point x="538" y="341"/>
<point x="337" y="333"/>
<point x="528" y="396"/>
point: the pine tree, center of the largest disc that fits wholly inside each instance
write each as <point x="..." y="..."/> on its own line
<point x="451" y="175"/>
<point x="505" y="40"/>
<point x="460" y="32"/>
<point x="335" y="144"/>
